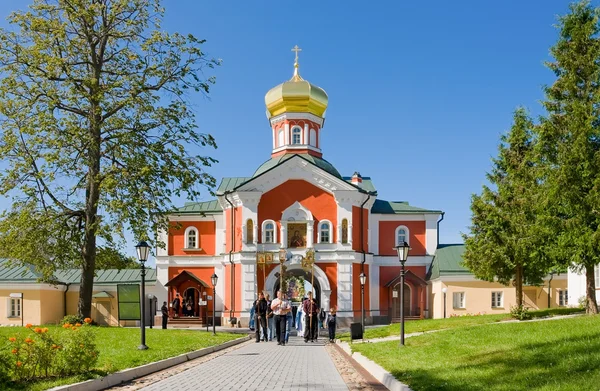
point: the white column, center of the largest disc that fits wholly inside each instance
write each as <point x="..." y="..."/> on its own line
<point x="309" y="233"/>
<point x="344" y="293"/>
<point x="350" y="234"/>
<point x="255" y="232"/>
<point x="283" y="234"/>
<point x="305" y="141"/>
<point x="286" y="134"/>
<point x="374" y="288"/>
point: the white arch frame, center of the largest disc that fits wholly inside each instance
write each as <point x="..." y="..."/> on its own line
<point x="187" y="235"/>
<point x="330" y="231"/>
<point x="320" y="276"/>
<point x="405" y="228"/>
<point x="264" y="231"/>
<point x="293" y="133"/>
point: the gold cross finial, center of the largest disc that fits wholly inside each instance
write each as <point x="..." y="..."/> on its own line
<point x="296" y="49"/>
<point x="296" y="76"/>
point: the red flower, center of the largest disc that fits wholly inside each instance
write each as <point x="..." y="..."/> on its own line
<point x="28" y="326"/>
<point x="12" y="339"/>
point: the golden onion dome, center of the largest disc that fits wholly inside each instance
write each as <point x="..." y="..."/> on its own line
<point x="296" y="95"/>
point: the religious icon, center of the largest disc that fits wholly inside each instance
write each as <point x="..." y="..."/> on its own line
<point x="260" y="258"/>
<point x="297" y="235"/>
<point x="269" y="257"/>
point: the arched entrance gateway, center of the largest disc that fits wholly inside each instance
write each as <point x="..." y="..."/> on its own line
<point x="192" y="292"/>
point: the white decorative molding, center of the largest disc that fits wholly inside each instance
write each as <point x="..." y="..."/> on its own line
<point x="344" y="291"/>
<point x="290" y="116"/>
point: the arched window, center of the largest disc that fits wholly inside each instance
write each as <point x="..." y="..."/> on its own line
<point x="402" y="235"/>
<point x="249" y="232"/>
<point x="344" y="231"/>
<point x="191" y="237"/>
<point x="296" y="135"/>
<point x="269" y="230"/>
<point x="325" y="235"/>
<point x="280" y="138"/>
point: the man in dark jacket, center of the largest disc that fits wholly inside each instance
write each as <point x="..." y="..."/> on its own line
<point x="165" y="314"/>
<point x="260" y="315"/>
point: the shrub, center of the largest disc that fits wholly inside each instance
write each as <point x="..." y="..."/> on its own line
<point x="71" y="319"/>
<point x="61" y="352"/>
<point x="520" y="312"/>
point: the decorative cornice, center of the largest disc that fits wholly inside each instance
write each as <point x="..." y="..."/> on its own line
<point x="288" y="116"/>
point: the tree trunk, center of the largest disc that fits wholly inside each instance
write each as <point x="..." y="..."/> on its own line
<point x="519" y="285"/>
<point x="591" y="307"/>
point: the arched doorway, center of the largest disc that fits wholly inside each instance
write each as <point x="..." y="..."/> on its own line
<point x="408" y="310"/>
<point x="191" y="290"/>
<point x="414" y="296"/>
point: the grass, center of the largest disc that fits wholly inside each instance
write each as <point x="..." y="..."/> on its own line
<point x="415" y="326"/>
<point x="118" y="350"/>
<point x="562" y="354"/>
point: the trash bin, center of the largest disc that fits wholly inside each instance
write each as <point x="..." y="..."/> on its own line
<point x="356" y="331"/>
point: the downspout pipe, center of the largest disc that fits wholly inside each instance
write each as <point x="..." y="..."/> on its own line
<point x="438" y="230"/>
<point x="362" y="242"/>
<point x="231" y="249"/>
<point x="65" y="298"/>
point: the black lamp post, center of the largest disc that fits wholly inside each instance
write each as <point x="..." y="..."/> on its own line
<point x="402" y="250"/>
<point x="363" y="280"/>
<point x="444" y="290"/>
<point x="143" y="249"/>
<point x="214" y="279"/>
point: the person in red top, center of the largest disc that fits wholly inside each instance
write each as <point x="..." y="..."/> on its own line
<point x="311" y="311"/>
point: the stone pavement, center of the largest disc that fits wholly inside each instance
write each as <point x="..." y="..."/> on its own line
<point x="261" y="366"/>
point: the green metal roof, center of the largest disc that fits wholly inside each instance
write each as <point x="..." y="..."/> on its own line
<point x="367" y="183"/>
<point x="228" y="184"/>
<point x="448" y="261"/>
<point x="274" y="162"/>
<point x="27" y="274"/>
<point x="397" y="207"/>
<point x="206" y="207"/>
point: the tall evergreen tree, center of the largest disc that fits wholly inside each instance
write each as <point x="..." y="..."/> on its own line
<point x="570" y="144"/>
<point x="98" y="132"/>
<point x="504" y="240"/>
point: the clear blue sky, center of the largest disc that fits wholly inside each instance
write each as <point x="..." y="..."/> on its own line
<point x="419" y="92"/>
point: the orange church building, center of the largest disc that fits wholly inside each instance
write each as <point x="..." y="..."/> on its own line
<point x="297" y="201"/>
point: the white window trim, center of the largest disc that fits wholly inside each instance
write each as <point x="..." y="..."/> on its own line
<point x="292" y="135"/>
<point x="501" y="299"/>
<point x="404" y="227"/>
<point x="330" y="231"/>
<point x="9" y="307"/>
<point x="186" y="235"/>
<point x="263" y="231"/>
<point x="463" y="303"/>
<point x="565" y="296"/>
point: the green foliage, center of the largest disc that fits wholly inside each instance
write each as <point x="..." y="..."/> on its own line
<point x="504" y="241"/>
<point x="98" y="131"/>
<point x="72" y="319"/>
<point x="520" y="313"/>
<point x="569" y="145"/>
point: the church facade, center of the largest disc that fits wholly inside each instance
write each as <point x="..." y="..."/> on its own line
<point x="293" y="204"/>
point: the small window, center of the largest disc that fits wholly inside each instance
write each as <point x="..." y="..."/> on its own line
<point x="458" y="299"/>
<point x="14" y="308"/>
<point x="192" y="238"/>
<point x="269" y="233"/>
<point x="325" y="233"/>
<point x="497" y="301"/>
<point x="563" y="298"/>
<point x="296" y="135"/>
<point x="249" y="232"/>
<point x="402" y="235"/>
<point x="344" y="231"/>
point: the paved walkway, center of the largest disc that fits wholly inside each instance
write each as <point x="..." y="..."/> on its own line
<point x="261" y="366"/>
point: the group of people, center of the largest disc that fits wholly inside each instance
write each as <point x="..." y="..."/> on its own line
<point x="278" y="313"/>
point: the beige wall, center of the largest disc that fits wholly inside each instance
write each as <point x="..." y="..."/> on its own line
<point x="53" y="308"/>
<point x="478" y="297"/>
<point x="99" y="306"/>
<point x="31" y="307"/>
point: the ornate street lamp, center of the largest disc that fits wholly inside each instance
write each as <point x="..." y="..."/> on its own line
<point x="282" y="259"/>
<point x="444" y="290"/>
<point x="363" y="280"/>
<point x="214" y="278"/>
<point x="402" y="250"/>
<point x="143" y="249"/>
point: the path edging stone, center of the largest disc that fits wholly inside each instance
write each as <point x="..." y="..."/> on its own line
<point x="378" y="372"/>
<point x="126" y="375"/>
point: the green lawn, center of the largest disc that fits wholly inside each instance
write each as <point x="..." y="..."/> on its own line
<point x="562" y="354"/>
<point x="414" y="326"/>
<point x="118" y="350"/>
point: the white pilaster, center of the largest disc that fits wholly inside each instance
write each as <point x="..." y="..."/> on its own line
<point x="283" y="234"/>
<point x="310" y="233"/>
<point x="286" y="134"/>
<point x="305" y="138"/>
<point x="374" y="288"/>
<point x="248" y="284"/>
<point x="344" y="299"/>
<point x="164" y="238"/>
<point x="431" y="233"/>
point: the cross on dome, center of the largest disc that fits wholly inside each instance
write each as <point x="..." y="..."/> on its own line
<point x="296" y="76"/>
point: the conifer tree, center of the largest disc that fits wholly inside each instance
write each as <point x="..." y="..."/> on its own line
<point x="503" y="244"/>
<point x="569" y="145"/>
